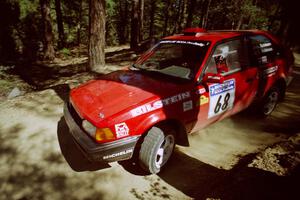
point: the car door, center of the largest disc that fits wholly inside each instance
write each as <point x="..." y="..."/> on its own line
<point x="230" y="62"/>
<point x="268" y="58"/>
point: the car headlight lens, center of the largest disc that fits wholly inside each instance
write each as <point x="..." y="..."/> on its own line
<point x="104" y="134"/>
<point x="100" y="134"/>
<point x="89" y="128"/>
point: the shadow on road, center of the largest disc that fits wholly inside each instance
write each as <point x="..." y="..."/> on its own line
<point x="201" y="181"/>
<point x="72" y="154"/>
<point x="62" y="91"/>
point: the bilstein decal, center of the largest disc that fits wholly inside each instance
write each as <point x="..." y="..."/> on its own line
<point x="159" y="104"/>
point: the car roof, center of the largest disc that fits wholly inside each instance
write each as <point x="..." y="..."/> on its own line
<point x="193" y="34"/>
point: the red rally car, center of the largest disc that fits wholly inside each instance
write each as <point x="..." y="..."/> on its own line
<point x="182" y="84"/>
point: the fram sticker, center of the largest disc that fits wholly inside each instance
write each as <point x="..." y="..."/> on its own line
<point x="159" y="104"/>
<point x="188" y="105"/>
<point x="122" y="130"/>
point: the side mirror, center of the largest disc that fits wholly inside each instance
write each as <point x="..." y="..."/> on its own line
<point x="213" y="78"/>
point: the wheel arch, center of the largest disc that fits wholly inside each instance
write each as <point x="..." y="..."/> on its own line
<point x="157" y="120"/>
<point x="178" y="127"/>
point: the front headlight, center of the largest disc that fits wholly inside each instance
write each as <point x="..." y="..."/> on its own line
<point x="100" y="134"/>
<point x="89" y="128"/>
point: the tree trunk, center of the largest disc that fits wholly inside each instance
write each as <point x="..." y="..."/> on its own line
<point x="97" y="35"/>
<point x="177" y="17"/>
<point x="251" y="16"/>
<point x="79" y="17"/>
<point x="122" y="22"/>
<point x="152" y="14"/>
<point x="134" y="36"/>
<point x="141" y="19"/>
<point x="166" y="20"/>
<point x="283" y="26"/>
<point x="239" y="25"/>
<point x="49" y="53"/>
<point x="204" y="23"/>
<point x="273" y="17"/>
<point x="182" y="16"/>
<point x="189" y="19"/>
<point x="202" y="14"/>
<point x="60" y="26"/>
<point x="126" y="32"/>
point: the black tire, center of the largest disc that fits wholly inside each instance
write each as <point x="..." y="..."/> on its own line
<point x="156" y="149"/>
<point x="269" y="102"/>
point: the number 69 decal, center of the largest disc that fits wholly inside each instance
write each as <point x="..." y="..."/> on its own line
<point x="221" y="97"/>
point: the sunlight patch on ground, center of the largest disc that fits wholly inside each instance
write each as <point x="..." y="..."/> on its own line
<point x="223" y="144"/>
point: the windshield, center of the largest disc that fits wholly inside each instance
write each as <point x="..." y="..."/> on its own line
<point x="174" y="58"/>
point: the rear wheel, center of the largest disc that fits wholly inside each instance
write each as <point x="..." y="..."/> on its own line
<point x="156" y="149"/>
<point x="270" y="101"/>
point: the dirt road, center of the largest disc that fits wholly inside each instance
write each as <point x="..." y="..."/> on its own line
<point x="231" y="159"/>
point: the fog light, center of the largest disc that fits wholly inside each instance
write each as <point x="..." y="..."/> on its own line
<point x="89" y="128"/>
<point x="104" y="134"/>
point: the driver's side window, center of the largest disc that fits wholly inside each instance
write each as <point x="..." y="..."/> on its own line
<point x="226" y="58"/>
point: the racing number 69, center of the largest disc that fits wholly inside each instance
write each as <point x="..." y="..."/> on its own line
<point x="219" y="104"/>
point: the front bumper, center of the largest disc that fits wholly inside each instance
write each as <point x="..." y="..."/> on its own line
<point x="108" y="152"/>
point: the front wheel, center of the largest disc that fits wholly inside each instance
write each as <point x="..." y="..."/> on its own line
<point x="156" y="149"/>
<point x="269" y="102"/>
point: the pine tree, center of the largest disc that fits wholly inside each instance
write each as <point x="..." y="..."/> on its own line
<point x="49" y="53"/>
<point x="96" y="36"/>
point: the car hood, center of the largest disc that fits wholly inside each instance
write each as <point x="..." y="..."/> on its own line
<point x="116" y="92"/>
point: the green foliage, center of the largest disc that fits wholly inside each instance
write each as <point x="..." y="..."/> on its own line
<point x="21" y="29"/>
<point x="111" y="32"/>
<point x="65" y="51"/>
<point x="27" y="7"/>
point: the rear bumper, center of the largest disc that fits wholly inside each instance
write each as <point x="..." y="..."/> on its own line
<point x="107" y="152"/>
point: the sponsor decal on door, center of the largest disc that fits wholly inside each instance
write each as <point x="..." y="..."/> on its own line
<point x="221" y="97"/>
